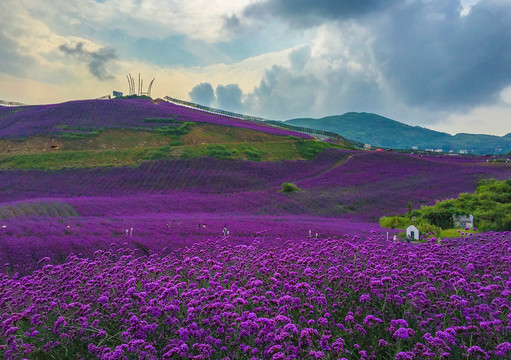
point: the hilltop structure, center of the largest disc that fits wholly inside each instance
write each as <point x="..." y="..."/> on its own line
<point x="138" y="90"/>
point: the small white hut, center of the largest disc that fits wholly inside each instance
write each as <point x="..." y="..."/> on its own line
<point x="412" y="232"/>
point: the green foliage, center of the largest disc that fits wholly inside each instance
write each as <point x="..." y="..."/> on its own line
<point x="221" y="152"/>
<point x="252" y="153"/>
<point x="308" y="149"/>
<point x="490" y="204"/>
<point x="158" y="153"/>
<point x="425" y="227"/>
<point x="82" y="135"/>
<point x="185" y="128"/>
<point x="160" y="121"/>
<point x="288" y="187"/>
<point x="394" y="222"/>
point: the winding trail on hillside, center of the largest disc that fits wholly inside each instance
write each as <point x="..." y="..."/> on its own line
<point x="333" y="166"/>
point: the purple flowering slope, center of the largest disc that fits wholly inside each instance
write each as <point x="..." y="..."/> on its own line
<point x="95" y="114"/>
<point x="313" y="299"/>
<point x="337" y="182"/>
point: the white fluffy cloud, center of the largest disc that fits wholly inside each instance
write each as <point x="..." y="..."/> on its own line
<point x="197" y="19"/>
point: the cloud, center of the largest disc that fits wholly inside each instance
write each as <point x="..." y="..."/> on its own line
<point x="12" y="60"/>
<point x="331" y="76"/>
<point x="229" y="97"/>
<point x="433" y="57"/>
<point x="306" y="13"/>
<point x="232" y="23"/>
<point x="202" y="94"/>
<point x="226" y="97"/>
<point x="96" y="60"/>
<point x="196" y="19"/>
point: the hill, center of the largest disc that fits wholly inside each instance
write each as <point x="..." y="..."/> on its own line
<point x="380" y="131"/>
<point x="145" y="230"/>
<point x="81" y="173"/>
<point x="122" y="132"/>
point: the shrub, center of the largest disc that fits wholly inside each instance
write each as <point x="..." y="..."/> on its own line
<point x="394" y="222"/>
<point x="288" y="187"/>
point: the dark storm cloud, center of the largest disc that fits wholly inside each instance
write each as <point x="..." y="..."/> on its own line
<point x="202" y="94"/>
<point x="96" y="60"/>
<point x="434" y="57"/>
<point x="426" y="53"/>
<point x="305" y="13"/>
<point x="229" y="97"/>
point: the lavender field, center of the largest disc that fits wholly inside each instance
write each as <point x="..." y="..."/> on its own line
<point x="89" y="114"/>
<point x="205" y="258"/>
<point x="316" y="298"/>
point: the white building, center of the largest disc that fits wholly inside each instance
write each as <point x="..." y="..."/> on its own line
<point x="412" y="232"/>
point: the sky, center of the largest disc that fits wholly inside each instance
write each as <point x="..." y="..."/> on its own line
<point x="440" y="64"/>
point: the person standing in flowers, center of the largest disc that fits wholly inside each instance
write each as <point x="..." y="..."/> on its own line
<point x="408" y="239"/>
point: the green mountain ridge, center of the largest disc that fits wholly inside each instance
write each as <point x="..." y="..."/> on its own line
<point x="380" y="131"/>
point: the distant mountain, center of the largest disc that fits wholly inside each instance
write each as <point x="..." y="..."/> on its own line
<point x="380" y="131"/>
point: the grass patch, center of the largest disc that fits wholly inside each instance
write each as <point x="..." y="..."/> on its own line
<point x="160" y="121"/>
<point x="79" y="135"/>
<point x="185" y="128"/>
<point x="308" y="149"/>
<point x="252" y="153"/>
<point x="129" y="148"/>
<point x="40" y="208"/>
<point x="222" y="152"/>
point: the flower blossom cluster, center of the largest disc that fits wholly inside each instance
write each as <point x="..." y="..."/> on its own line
<point x="314" y="299"/>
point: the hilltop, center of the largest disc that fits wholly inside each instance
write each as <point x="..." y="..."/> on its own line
<point x="122" y="132"/>
<point x="380" y="131"/>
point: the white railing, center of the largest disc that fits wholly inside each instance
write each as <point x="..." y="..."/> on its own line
<point x="10" y="103"/>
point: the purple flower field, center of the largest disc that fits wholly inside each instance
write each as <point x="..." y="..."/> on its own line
<point x="205" y="259"/>
<point x="94" y="114"/>
<point x="344" y="183"/>
<point x="311" y="299"/>
<point x="53" y="213"/>
<point x="24" y="241"/>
